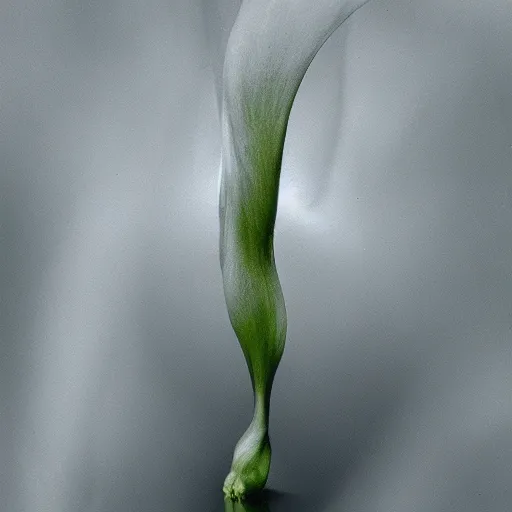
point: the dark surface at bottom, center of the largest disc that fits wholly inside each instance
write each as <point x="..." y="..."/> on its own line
<point x="267" y="501"/>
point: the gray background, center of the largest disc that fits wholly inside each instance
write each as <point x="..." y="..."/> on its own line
<point x="122" y="387"/>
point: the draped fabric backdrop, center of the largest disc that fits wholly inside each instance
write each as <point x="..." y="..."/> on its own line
<point x="122" y="385"/>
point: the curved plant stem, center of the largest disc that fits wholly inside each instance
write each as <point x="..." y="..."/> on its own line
<point x="269" y="50"/>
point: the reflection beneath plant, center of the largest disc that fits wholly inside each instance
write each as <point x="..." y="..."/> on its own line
<point x="269" y="500"/>
<point x="259" y="504"/>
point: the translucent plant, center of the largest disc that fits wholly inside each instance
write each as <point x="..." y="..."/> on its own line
<point x="271" y="46"/>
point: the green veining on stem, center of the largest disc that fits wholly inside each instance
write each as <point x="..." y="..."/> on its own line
<point x="270" y="48"/>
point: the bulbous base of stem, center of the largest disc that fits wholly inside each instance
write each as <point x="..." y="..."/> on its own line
<point x="251" y="464"/>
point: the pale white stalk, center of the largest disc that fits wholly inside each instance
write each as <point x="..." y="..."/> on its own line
<point x="270" y="47"/>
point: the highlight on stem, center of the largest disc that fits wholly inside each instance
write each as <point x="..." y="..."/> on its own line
<point x="271" y="46"/>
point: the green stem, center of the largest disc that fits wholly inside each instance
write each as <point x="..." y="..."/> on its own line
<point x="261" y="410"/>
<point x="269" y="50"/>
